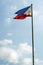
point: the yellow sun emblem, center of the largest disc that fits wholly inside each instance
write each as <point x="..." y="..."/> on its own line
<point x="29" y="12"/>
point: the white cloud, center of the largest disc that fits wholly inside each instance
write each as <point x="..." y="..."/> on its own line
<point x="37" y="60"/>
<point x="9" y="55"/>
<point x="12" y="8"/>
<point x="8" y="20"/>
<point x="24" y="2"/>
<point x="5" y="42"/>
<point x="40" y="20"/>
<point x="24" y="48"/>
<point x="35" y="13"/>
<point x="13" y="56"/>
<point x="27" y="61"/>
<point x="9" y="34"/>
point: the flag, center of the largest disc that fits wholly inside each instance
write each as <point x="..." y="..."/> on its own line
<point x="23" y="13"/>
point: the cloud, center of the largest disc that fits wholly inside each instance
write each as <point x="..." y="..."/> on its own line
<point x="8" y="20"/>
<point x="8" y="54"/>
<point x="37" y="60"/>
<point x="14" y="55"/>
<point x="5" y="42"/>
<point x="24" y="48"/>
<point x="9" y="34"/>
<point x="40" y="20"/>
<point x="12" y="8"/>
<point x="27" y="61"/>
<point x="35" y="13"/>
<point x="24" y="2"/>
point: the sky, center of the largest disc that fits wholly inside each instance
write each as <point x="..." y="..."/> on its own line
<point x="16" y="35"/>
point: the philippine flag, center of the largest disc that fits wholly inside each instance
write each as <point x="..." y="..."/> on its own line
<point x="23" y="13"/>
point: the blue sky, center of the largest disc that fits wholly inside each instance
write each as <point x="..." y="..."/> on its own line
<point x="15" y="35"/>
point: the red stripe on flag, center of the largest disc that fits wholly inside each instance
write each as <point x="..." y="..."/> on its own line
<point x="22" y="16"/>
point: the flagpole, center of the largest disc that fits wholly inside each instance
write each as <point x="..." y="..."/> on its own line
<point x="32" y="35"/>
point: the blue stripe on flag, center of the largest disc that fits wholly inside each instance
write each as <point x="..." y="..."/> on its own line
<point x="22" y="11"/>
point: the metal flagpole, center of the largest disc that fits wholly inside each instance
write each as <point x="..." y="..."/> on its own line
<point x="32" y="35"/>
